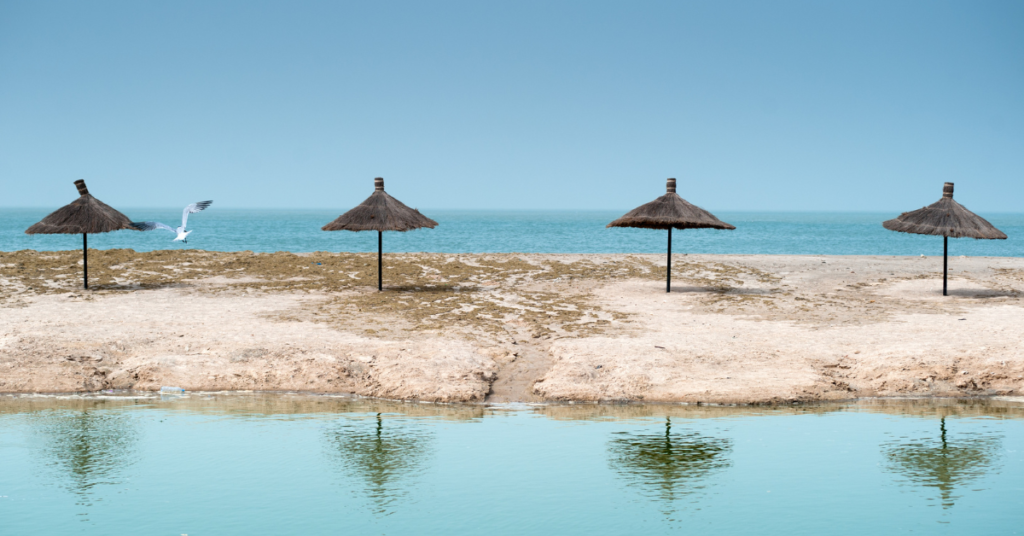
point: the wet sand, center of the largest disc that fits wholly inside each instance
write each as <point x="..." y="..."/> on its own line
<point x="457" y="328"/>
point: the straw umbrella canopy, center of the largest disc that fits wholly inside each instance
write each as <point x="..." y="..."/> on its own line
<point x="82" y="216"/>
<point x="945" y="218"/>
<point x="670" y="212"/>
<point x="380" y="212"/>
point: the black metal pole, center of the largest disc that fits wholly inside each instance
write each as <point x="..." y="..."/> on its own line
<point x="945" y="263"/>
<point x="668" y="276"/>
<point x="380" y="263"/>
<point x="85" y="260"/>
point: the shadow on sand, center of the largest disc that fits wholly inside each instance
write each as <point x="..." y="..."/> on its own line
<point x="738" y="291"/>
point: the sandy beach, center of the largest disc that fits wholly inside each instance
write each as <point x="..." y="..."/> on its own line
<point x="504" y="328"/>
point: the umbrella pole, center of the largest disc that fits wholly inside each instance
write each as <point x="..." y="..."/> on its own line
<point x="380" y="263"/>
<point x="945" y="263"/>
<point x="668" y="273"/>
<point x="85" y="260"/>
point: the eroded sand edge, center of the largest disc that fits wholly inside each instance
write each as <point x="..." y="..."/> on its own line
<point x="459" y="328"/>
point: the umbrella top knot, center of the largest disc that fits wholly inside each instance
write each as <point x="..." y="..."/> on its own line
<point x="82" y="190"/>
<point x="378" y="184"/>
<point x="670" y="186"/>
<point x="947" y="190"/>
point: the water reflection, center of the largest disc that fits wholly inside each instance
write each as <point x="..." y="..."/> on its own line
<point x="89" y="447"/>
<point x="383" y="457"/>
<point x="666" y="464"/>
<point x="945" y="463"/>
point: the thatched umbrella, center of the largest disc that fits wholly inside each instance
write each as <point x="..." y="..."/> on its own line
<point x="380" y="212"/>
<point x="945" y="218"/>
<point x="83" y="215"/>
<point x="667" y="212"/>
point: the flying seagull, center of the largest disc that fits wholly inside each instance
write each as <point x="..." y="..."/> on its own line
<point x="182" y="233"/>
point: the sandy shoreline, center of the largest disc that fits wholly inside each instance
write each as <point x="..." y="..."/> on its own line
<point x="498" y="328"/>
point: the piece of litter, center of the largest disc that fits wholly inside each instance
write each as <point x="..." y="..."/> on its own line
<point x="662" y="347"/>
<point x="167" y="389"/>
<point x="961" y="319"/>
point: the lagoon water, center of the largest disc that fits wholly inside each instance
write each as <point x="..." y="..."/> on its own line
<point x="793" y="233"/>
<point x="303" y="464"/>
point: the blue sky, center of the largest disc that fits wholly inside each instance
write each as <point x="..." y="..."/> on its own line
<point x="755" y="105"/>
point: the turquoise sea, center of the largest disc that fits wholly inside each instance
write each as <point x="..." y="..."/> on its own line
<point x="311" y="465"/>
<point x="800" y="233"/>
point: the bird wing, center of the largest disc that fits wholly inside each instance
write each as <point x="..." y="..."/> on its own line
<point x="150" y="225"/>
<point x="192" y="209"/>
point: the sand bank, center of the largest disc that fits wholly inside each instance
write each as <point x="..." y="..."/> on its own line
<point x="514" y="327"/>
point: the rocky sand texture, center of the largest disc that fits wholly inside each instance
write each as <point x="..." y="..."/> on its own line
<point x="456" y="328"/>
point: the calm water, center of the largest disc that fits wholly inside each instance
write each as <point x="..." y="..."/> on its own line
<point x="282" y="464"/>
<point x="524" y="231"/>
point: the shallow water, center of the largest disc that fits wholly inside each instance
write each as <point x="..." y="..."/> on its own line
<point x="780" y="233"/>
<point x="292" y="464"/>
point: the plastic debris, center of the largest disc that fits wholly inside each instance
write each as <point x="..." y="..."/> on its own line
<point x="172" y="390"/>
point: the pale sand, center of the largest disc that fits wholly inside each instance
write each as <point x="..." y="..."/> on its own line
<point x="516" y="327"/>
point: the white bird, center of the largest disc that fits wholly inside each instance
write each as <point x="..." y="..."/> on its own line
<point x="182" y="233"/>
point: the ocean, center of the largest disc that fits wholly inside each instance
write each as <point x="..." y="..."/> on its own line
<point x="461" y="231"/>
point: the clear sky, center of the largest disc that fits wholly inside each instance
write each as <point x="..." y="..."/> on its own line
<point x="773" y="105"/>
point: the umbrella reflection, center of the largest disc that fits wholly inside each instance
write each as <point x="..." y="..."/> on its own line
<point x="89" y="447"/>
<point x="944" y="464"/>
<point x="382" y="457"/>
<point x="665" y="465"/>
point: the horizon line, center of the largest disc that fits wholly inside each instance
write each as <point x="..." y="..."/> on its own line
<point x="623" y="210"/>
